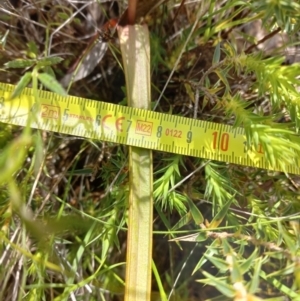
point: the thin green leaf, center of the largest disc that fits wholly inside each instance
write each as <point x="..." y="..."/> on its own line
<point x="248" y="263"/>
<point x="217" y="54"/>
<point x="63" y="15"/>
<point x="49" y="70"/>
<point x="196" y="214"/>
<point x="220" y="215"/>
<point x="223" y="76"/>
<point x="236" y="273"/>
<point x="84" y="171"/>
<point x="49" y="61"/>
<point x="219" y="283"/>
<point x="289" y="269"/>
<point x="3" y="39"/>
<point x="255" y="277"/>
<point x="226" y="247"/>
<point x="9" y="164"/>
<point x="19" y="63"/>
<point x="219" y="263"/>
<point x="32" y="47"/>
<point x="182" y="222"/>
<point x="211" y="251"/>
<point x="201" y="237"/>
<point x="280" y="286"/>
<point x="51" y="83"/>
<point x="163" y="295"/>
<point x="23" y="82"/>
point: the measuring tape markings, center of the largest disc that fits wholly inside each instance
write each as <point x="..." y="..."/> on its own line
<point x="131" y="126"/>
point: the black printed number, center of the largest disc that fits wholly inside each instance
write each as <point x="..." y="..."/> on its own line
<point x="159" y="131"/>
<point x="189" y="137"/>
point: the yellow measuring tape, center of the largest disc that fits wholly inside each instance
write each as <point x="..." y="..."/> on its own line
<point x="124" y="125"/>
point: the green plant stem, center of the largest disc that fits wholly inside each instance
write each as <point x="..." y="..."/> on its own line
<point x="135" y="48"/>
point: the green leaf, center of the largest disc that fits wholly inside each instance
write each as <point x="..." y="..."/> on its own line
<point x="196" y="214"/>
<point x="223" y="76"/>
<point x="236" y="273"/>
<point x="49" y="61"/>
<point x="51" y="83"/>
<point x="202" y="236"/>
<point x="23" y="82"/>
<point x="255" y="277"/>
<point x="9" y="164"/>
<point x="84" y="171"/>
<point x="62" y="15"/>
<point x="211" y="251"/>
<point x="32" y="47"/>
<point x="217" y="54"/>
<point x="220" y="284"/>
<point x="3" y="39"/>
<point x="226" y="247"/>
<point x="162" y="293"/>
<point x="19" y="63"/>
<point x="104" y="248"/>
<point x="182" y="222"/>
<point x="289" y="269"/>
<point x="51" y="225"/>
<point x="280" y="286"/>
<point x="288" y="239"/>
<point x="248" y="263"/>
<point x="219" y="263"/>
<point x="49" y="70"/>
<point x="220" y="215"/>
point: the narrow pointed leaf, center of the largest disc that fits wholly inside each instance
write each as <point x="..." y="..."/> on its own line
<point x="221" y="264"/>
<point x="255" y="277"/>
<point x="51" y="83"/>
<point x="49" y="70"/>
<point x="3" y="39"/>
<point x="236" y="273"/>
<point x="248" y="263"/>
<point x="49" y="61"/>
<point x="220" y="215"/>
<point x="184" y="220"/>
<point x="217" y="54"/>
<point x="24" y="81"/>
<point x="32" y="47"/>
<point x="196" y="214"/>
<point x="19" y="63"/>
<point x="219" y="283"/>
<point x="211" y="251"/>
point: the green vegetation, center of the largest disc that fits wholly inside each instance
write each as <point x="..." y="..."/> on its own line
<point x="220" y="231"/>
